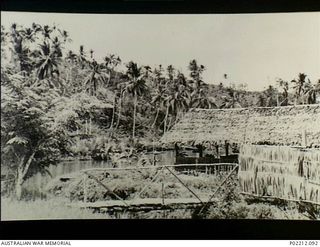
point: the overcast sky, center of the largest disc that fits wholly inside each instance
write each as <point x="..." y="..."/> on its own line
<point x="250" y="48"/>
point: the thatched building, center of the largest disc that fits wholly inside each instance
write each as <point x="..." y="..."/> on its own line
<point x="279" y="146"/>
<point x="268" y="125"/>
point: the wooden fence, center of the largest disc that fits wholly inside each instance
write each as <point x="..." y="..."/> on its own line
<point x="290" y="173"/>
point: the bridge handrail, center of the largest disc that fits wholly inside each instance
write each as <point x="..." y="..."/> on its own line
<point x="153" y="167"/>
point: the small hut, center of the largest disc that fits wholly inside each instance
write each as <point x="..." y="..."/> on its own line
<point x="279" y="147"/>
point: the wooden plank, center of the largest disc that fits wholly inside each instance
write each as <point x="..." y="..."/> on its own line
<point x="150" y="202"/>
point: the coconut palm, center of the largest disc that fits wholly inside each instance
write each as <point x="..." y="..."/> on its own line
<point x="82" y="59"/>
<point x="47" y="62"/>
<point x="158" y="96"/>
<point x="201" y="100"/>
<point x="232" y="101"/>
<point x="196" y="72"/>
<point x="298" y="86"/>
<point x="21" y="52"/>
<point x="97" y="75"/>
<point x="111" y="61"/>
<point x="261" y="102"/>
<point x="271" y="95"/>
<point x="136" y="87"/>
<point x="158" y="76"/>
<point x="284" y="85"/>
<point x="311" y="91"/>
<point x="177" y="99"/>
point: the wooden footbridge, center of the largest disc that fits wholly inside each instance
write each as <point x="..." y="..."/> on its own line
<point x="160" y="203"/>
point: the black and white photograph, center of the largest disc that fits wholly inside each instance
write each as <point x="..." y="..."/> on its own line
<point x="167" y="116"/>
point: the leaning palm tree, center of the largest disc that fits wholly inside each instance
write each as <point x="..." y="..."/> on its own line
<point x="136" y="87"/>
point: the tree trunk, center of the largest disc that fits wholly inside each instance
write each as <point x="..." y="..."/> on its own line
<point x="22" y="172"/>
<point x="19" y="183"/>
<point x="165" y="120"/>
<point x="119" y="112"/>
<point x="134" y="116"/>
<point x="169" y="124"/>
<point x="155" y="119"/>
<point x="113" y="113"/>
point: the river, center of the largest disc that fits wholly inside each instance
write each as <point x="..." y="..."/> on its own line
<point x="38" y="181"/>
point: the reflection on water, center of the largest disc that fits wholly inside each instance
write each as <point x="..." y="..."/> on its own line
<point x="38" y="181"/>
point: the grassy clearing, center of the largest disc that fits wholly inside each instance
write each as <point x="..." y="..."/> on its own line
<point x="56" y="209"/>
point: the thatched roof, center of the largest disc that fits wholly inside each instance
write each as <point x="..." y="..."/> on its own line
<point x="272" y="125"/>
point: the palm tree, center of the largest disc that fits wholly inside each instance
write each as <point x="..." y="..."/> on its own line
<point x="177" y="99"/>
<point x="46" y="32"/>
<point x="97" y="75"/>
<point x="158" y="76"/>
<point x="298" y="86"/>
<point x="120" y="93"/>
<point x="311" y="92"/>
<point x="201" y="100"/>
<point x="82" y="59"/>
<point x="157" y="99"/>
<point x="232" y="101"/>
<point x="261" y="100"/>
<point x="47" y="63"/>
<point x="111" y="61"/>
<point x="285" y="95"/>
<point x="135" y="87"/>
<point x="271" y="94"/>
<point x="21" y="51"/>
<point x="196" y="72"/>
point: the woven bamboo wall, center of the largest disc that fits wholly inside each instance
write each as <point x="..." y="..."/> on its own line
<point x="280" y="171"/>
